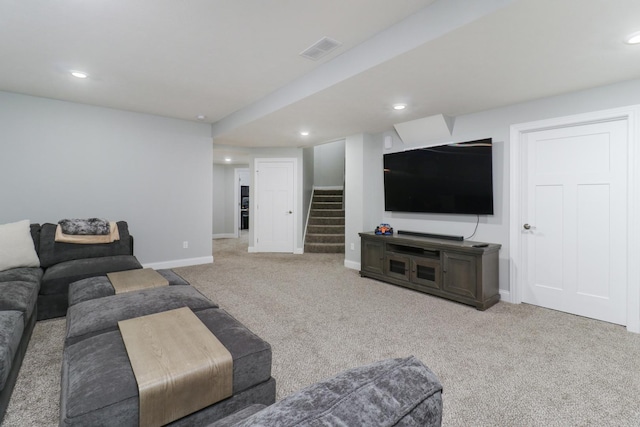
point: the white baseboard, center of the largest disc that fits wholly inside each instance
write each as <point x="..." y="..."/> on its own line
<point x="179" y="263"/>
<point x="296" y="251"/>
<point x="223" y="236"/>
<point x="352" y="265"/>
<point x="505" y="296"/>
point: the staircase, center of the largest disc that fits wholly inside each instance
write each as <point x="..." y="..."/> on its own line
<point x="325" y="230"/>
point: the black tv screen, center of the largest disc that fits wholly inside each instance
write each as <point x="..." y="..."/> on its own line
<point x="453" y="179"/>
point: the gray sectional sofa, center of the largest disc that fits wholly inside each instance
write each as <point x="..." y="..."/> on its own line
<point x="40" y="292"/>
<point x="98" y="386"/>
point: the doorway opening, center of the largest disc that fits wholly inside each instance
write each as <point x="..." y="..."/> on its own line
<point x="242" y="190"/>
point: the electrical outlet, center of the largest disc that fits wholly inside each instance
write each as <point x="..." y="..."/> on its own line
<point x="353" y="247"/>
<point x="185" y="245"/>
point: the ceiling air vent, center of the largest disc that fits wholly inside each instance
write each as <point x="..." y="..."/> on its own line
<point x="320" y="48"/>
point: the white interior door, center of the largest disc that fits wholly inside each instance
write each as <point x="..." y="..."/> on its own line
<point x="275" y="194"/>
<point x="574" y="220"/>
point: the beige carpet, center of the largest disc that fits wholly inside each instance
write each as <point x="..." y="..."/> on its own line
<point x="512" y="365"/>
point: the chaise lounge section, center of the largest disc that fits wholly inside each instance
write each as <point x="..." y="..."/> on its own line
<point x="98" y="384"/>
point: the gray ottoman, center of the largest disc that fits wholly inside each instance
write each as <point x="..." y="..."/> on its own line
<point x="393" y="392"/>
<point x="97" y="316"/>
<point x="100" y="286"/>
<point x="98" y="386"/>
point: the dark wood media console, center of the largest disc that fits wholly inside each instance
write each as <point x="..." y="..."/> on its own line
<point x="459" y="271"/>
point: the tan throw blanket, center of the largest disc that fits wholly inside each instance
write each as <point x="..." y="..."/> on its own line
<point x="134" y="280"/>
<point x="180" y="366"/>
<point x="88" y="239"/>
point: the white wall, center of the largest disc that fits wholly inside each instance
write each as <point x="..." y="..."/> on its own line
<point x="363" y="198"/>
<point x="66" y="160"/>
<point x="328" y="164"/>
<point x="495" y="124"/>
<point x="354" y="198"/>
<point x="244" y="175"/>
<point x="308" y="156"/>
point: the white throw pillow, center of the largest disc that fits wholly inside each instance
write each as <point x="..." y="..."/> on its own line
<point x="16" y="246"/>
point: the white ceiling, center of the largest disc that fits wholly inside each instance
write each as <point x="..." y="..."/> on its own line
<point x="238" y="63"/>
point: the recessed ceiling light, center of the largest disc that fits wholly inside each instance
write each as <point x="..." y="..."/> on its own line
<point x="399" y="106"/>
<point x="201" y="117"/>
<point x="304" y="132"/>
<point x="227" y="159"/>
<point x="633" y="38"/>
<point x="79" y="74"/>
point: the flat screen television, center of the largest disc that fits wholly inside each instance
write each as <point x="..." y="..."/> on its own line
<point x="452" y="179"/>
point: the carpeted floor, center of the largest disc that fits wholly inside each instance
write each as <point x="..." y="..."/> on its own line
<point x="512" y="365"/>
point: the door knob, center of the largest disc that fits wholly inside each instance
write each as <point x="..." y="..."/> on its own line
<point x="526" y="226"/>
<point x="290" y="212"/>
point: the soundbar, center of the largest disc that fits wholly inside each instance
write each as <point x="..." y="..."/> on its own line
<point x="433" y="236"/>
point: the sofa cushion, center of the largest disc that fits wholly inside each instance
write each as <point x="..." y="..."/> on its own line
<point x="394" y="392"/>
<point x="100" y="286"/>
<point x="57" y="278"/>
<point x="23" y="274"/>
<point x="101" y="315"/>
<point x="52" y="252"/>
<point x="35" y="236"/>
<point x="20" y="296"/>
<point x="11" y="330"/>
<point x="238" y="416"/>
<point x="98" y="385"/>
<point x="16" y="246"/>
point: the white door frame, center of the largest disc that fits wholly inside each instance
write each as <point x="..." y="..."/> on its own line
<point x="517" y="157"/>
<point x="236" y="202"/>
<point x="252" y="206"/>
<point x="237" y="199"/>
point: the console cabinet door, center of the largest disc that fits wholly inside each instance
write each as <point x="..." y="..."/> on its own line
<point x="372" y="256"/>
<point x="397" y="266"/>
<point x="426" y="272"/>
<point x="459" y="274"/>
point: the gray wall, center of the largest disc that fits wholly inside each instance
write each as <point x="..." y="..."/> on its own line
<point x="223" y="184"/>
<point x="66" y="160"/>
<point x="328" y="163"/>
<point x="224" y="205"/>
<point x="495" y="124"/>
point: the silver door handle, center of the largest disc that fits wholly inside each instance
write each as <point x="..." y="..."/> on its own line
<point x="526" y="226"/>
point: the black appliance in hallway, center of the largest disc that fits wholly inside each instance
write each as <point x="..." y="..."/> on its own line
<point x="244" y="207"/>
